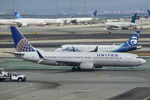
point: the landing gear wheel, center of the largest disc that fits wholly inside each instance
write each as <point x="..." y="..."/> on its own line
<point x="78" y="69"/>
<point x="73" y="69"/>
<point x="131" y="69"/>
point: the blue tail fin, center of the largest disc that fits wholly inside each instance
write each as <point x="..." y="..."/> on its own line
<point x="148" y="12"/>
<point x="95" y="13"/>
<point x="131" y="44"/>
<point x="133" y="18"/>
<point x="40" y="55"/>
<point x="18" y="16"/>
<point x="20" y="42"/>
<point x="133" y="40"/>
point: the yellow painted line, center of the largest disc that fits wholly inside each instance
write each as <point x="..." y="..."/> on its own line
<point x="146" y="74"/>
<point x="1" y="61"/>
<point x="99" y="73"/>
<point x="147" y="98"/>
<point x="4" y="32"/>
<point x="35" y="32"/>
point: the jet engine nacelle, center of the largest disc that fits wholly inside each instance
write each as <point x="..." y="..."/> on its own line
<point x="87" y="65"/>
<point x="22" y="24"/>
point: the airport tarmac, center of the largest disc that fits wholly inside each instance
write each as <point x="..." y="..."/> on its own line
<point x="52" y="37"/>
<point x="55" y="36"/>
<point x="59" y="83"/>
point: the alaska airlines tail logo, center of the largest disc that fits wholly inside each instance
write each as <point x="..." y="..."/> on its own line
<point x="133" y="40"/>
<point x="24" y="46"/>
<point x="130" y="44"/>
<point x="133" y="18"/>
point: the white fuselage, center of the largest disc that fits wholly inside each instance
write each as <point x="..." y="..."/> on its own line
<point x="119" y="24"/>
<point x="37" y="21"/>
<point x="87" y="48"/>
<point x="30" y="21"/>
<point x="7" y="22"/>
<point x="78" y="20"/>
<point x="82" y="20"/>
<point x="53" y="21"/>
<point x="96" y="58"/>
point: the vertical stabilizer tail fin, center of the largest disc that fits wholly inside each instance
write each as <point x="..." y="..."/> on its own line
<point x="20" y="42"/>
<point x="95" y="50"/>
<point x="131" y="44"/>
<point x="133" y="40"/>
<point x="134" y="18"/>
<point x="18" y="16"/>
<point x="95" y="13"/>
<point x="148" y="12"/>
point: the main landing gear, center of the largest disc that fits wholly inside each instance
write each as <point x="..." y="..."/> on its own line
<point x="75" y="68"/>
<point x="133" y="68"/>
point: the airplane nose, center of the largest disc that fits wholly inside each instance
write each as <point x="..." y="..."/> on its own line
<point x="143" y="61"/>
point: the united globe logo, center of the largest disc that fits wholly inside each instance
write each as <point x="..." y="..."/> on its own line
<point x="24" y="46"/>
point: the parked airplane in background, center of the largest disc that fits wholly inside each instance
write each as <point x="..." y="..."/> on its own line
<point x="7" y="22"/>
<point x="79" y="60"/>
<point x="123" y="25"/>
<point x="148" y="12"/>
<point x="81" y="19"/>
<point x="34" y="21"/>
<point x="131" y="44"/>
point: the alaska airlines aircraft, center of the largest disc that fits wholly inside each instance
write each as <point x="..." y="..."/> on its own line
<point x="123" y="25"/>
<point x="34" y="21"/>
<point x="131" y="44"/>
<point x="79" y="60"/>
<point x="80" y="20"/>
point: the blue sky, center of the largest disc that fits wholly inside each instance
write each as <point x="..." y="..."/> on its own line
<point x="77" y="6"/>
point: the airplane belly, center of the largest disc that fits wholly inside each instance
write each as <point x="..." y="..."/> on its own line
<point x="117" y="63"/>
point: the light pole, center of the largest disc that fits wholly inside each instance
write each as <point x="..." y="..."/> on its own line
<point x="141" y="10"/>
<point x="84" y="2"/>
<point x="13" y="11"/>
<point x="56" y="8"/>
<point x="71" y="8"/>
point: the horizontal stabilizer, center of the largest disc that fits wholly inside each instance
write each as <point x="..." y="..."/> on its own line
<point x="15" y="53"/>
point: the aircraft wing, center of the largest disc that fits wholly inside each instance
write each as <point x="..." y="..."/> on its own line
<point x="58" y="61"/>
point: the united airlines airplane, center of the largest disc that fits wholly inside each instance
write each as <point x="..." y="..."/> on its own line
<point x="77" y="60"/>
<point x="131" y="44"/>
<point x="123" y="25"/>
<point x="77" y="20"/>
